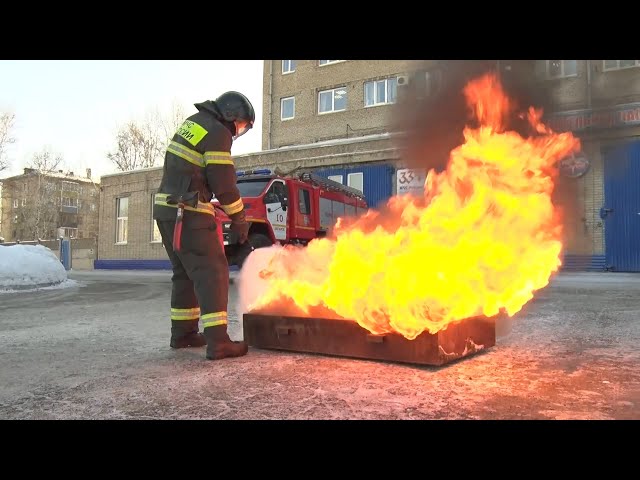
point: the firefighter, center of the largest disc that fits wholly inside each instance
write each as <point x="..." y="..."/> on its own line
<point x="198" y="165"/>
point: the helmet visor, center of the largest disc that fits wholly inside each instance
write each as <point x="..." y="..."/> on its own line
<point x="242" y="127"/>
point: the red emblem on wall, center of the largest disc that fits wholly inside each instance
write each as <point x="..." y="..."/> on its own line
<point x="574" y="166"/>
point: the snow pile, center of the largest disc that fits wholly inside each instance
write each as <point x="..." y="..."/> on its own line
<point x="28" y="266"/>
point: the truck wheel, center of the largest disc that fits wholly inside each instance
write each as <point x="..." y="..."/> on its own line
<point x="257" y="240"/>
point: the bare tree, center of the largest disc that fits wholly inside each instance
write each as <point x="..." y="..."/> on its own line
<point x="172" y="120"/>
<point x="138" y="146"/>
<point x="45" y="161"/>
<point x="7" y="121"/>
<point x="143" y="144"/>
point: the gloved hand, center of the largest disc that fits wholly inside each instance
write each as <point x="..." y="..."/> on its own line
<point x="242" y="229"/>
<point x="240" y="226"/>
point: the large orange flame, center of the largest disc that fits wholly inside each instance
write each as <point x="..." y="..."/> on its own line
<point x="483" y="239"/>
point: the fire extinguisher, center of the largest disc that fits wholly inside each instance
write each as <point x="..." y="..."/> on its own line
<point x="219" y="228"/>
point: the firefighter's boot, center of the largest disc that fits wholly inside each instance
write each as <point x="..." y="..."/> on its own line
<point x="184" y="333"/>
<point x="220" y="346"/>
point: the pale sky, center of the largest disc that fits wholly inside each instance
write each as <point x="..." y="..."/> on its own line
<point x="75" y="107"/>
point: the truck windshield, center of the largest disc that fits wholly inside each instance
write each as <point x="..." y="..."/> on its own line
<point x="252" y="188"/>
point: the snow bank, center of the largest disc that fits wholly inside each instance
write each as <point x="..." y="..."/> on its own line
<point x="28" y="266"/>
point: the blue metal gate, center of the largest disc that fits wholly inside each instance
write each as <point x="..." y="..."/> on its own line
<point x="621" y="209"/>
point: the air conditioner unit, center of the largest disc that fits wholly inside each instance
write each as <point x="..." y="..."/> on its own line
<point x="403" y="80"/>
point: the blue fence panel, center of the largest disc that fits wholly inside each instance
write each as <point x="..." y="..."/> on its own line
<point x="377" y="180"/>
<point x="65" y="253"/>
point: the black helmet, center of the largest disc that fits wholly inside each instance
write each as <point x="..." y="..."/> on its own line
<point x="235" y="106"/>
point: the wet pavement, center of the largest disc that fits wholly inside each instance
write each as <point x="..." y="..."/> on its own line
<point x="99" y="350"/>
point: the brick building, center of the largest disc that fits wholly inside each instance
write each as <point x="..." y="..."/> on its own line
<point x="47" y="205"/>
<point x="128" y="235"/>
<point x="338" y="118"/>
<point x="599" y="101"/>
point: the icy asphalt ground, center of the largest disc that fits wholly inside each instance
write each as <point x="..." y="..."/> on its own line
<point x="99" y="350"/>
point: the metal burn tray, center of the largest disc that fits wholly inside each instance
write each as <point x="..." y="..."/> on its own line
<point x="345" y="338"/>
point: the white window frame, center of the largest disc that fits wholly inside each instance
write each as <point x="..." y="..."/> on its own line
<point x="350" y="175"/>
<point x="70" y="232"/>
<point x="336" y="178"/>
<point x="375" y="92"/>
<point x="617" y="67"/>
<point x="24" y="202"/>
<point x="124" y="220"/>
<point x="282" y="100"/>
<point x="155" y="231"/>
<point x="15" y="203"/>
<point x="71" y="202"/>
<point x="329" y="62"/>
<point x="333" y="100"/>
<point x="562" y="67"/>
<point x="291" y="66"/>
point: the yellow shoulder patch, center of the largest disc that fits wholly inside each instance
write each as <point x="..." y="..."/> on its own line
<point x="191" y="132"/>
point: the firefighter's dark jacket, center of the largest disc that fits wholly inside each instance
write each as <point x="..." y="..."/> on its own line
<point x="198" y="158"/>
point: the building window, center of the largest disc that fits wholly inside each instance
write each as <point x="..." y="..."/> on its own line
<point x="334" y="100"/>
<point x="70" y="205"/>
<point x="288" y="66"/>
<point x="24" y="202"/>
<point x="561" y="68"/>
<point x="620" y="64"/>
<point x="380" y="92"/>
<point x="335" y="178"/>
<point x="287" y="108"/>
<point x="433" y="82"/>
<point x="122" y="218"/>
<point x="93" y="207"/>
<point x="69" y="232"/>
<point x="356" y="180"/>
<point x="328" y="62"/>
<point x="155" y="231"/>
<point x="15" y="203"/>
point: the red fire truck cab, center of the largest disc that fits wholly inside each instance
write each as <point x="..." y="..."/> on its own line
<point x="287" y="210"/>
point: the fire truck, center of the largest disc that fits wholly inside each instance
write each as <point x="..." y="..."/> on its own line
<point x="290" y="209"/>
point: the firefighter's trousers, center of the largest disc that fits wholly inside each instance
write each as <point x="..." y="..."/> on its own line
<point x="200" y="271"/>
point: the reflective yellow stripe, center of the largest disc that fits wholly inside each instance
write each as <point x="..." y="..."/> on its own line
<point x="234" y="207"/>
<point x="217" y="158"/>
<point x="179" y="316"/>
<point x="185" y="153"/>
<point x="185" y="313"/>
<point x="191" y="132"/>
<point x="161" y="199"/>
<point x="185" y="310"/>
<point x="216" y="318"/>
